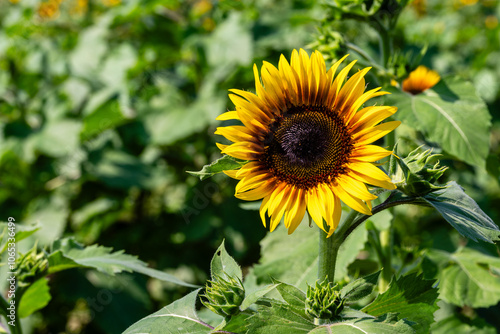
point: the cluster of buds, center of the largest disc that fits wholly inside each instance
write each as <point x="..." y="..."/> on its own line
<point x="224" y="296"/>
<point x="31" y="266"/>
<point x="417" y="176"/>
<point x="324" y="300"/>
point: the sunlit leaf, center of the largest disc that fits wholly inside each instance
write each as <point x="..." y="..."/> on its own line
<point x="411" y="297"/>
<point x="450" y="114"/>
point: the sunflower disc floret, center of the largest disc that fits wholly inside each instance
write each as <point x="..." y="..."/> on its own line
<point x="308" y="140"/>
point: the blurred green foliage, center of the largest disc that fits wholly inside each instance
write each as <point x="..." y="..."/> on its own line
<point x="104" y="106"/>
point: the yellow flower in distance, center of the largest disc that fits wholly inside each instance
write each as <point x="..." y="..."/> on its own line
<point x="420" y="79"/>
<point x="307" y="144"/>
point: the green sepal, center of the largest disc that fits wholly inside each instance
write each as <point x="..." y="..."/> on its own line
<point x="417" y="176"/>
<point x="324" y="300"/>
<point x="223" y="296"/>
<point x="218" y="166"/>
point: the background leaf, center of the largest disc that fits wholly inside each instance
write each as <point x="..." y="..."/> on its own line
<point x="66" y="253"/>
<point x="467" y="277"/>
<point x="450" y="114"/>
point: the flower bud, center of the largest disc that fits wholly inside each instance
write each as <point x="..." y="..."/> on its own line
<point x="418" y="176"/>
<point x="31" y="266"/>
<point x="323" y="301"/>
<point x="224" y="296"/>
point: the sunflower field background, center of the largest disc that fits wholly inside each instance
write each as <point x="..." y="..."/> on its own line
<point x="106" y="104"/>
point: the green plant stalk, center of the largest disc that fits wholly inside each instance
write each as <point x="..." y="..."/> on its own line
<point x="386" y="252"/>
<point x="4" y="305"/>
<point x="329" y="248"/>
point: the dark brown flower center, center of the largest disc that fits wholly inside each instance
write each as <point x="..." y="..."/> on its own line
<point x="307" y="146"/>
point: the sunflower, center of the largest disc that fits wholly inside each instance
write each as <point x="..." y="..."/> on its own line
<point x="420" y="79"/>
<point x="306" y="143"/>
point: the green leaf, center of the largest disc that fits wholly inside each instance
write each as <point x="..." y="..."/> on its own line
<point x="256" y="295"/>
<point x="218" y="166"/>
<point x="456" y="325"/>
<point x="385" y="324"/>
<point x="463" y="213"/>
<point x="279" y="318"/>
<point x="450" y="114"/>
<point x="294" y="297"/>
<point x="467" y="277"/>
<point x="106" y="116"/>
<point x="22" y="232"/>
<point x="66" y="254"/>
<point x="121" y="170"/>
<point x="58" y="138"/>
<point x="179" y="317"/>
<point x="224" y="265"/>
<point x="360" y="288"/>
<point x="36" y="297"/>
<point x="411" y="297"/>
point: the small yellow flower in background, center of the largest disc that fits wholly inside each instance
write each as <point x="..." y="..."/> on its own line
<point x="111" y="3"/>
<point x="307" y="143"/>
<point x="491" y="22"/>
<point x="14" y="1"/>
<point x="49" y="10"/>
<point x="79" y="7"/>
<point x="420" y="79"/>
<point x="420" y="7"/>
<point x="468" y="2"/>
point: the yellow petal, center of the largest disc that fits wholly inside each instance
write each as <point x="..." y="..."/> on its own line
<point x="260" y="192"/>
<point x="351" y="201"/>
<point x="227" y="116"/>
<point x="297" y="211"/>
<point x="236" y="133"/>
<point x="231" y="173"/>
<point x="370" y="116"/>
<point x="369" y="153"/>
<point x="356" y="188"/>
<point x="314" y="207"/>
<point x="370" y="135"/>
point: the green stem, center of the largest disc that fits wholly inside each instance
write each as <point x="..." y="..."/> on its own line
<point x="4" y="305"/>
<point x="329" y="248"/>
<point x="386" y="252"/>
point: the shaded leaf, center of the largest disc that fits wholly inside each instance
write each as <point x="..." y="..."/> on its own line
<point x="256" y="295"/>
<point x="36" y="297"/>
<point x="467" y="277"/>
<point x="360" y="288"/>
<point x="463" y="213"/>
<point x="456" y="325"/>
